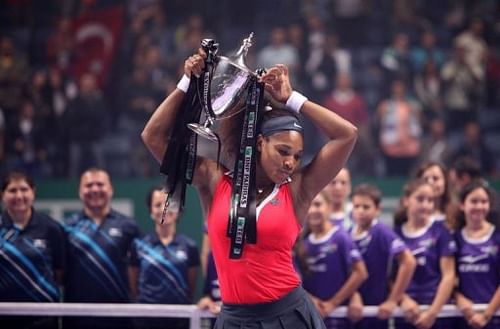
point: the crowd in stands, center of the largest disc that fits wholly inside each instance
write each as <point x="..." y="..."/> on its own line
<point x="420" y="79"/>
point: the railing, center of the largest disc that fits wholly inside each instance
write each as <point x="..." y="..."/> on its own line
<point x="174" y="311"/>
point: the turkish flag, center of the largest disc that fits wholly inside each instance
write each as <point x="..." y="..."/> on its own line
<point x="97" y="36"/>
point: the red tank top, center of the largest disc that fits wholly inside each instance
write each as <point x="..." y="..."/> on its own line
<point x="265" y="271"/>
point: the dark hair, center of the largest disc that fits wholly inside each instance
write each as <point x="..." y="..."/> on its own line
<point x="444" y="199"/>
<point x="299" y="247"/>
<point x="229" y="130"/>
<point x="400" y="215"/>
<point x="467" y="166"/>
<point x="149" y="195"/>
<point x="17" y="175"/>
<point x="468" y="189"/>
<point x="369" y="191"/>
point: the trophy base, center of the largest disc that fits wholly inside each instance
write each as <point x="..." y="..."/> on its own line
<point x="203" y="131"/>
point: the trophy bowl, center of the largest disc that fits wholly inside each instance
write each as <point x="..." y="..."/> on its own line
<point x="228" y="90"/>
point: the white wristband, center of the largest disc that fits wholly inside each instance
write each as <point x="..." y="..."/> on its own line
<point x="184" y="83"/>
<point x="295" y="101"/>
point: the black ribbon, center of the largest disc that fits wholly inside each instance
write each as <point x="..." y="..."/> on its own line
<point x="242" y="225"/>
<point x="179" y="160"/>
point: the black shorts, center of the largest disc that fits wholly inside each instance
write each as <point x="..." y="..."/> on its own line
<point x="293" y="311"/>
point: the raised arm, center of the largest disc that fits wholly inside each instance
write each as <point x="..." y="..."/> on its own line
<point x="332" y="156"/>
<point x="158" y="129"/>
<point x="156" y="133"/>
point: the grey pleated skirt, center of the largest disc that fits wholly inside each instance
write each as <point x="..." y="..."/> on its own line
<point x="293" y="311"/>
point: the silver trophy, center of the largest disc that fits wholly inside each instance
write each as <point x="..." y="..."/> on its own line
<point x="228" y="89"/>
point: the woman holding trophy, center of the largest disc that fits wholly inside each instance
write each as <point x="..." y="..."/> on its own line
<point x="253" y="248"/>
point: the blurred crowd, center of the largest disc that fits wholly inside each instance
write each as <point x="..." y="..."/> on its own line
<point x="420" y="79"/>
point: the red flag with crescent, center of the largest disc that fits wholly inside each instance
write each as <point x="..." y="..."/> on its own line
<point x="97" y="36"/>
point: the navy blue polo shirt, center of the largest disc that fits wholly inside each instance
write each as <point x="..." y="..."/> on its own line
<point x="98" y="257"/>
<point x="28" y="259"/>
<point x="163" y="270"/>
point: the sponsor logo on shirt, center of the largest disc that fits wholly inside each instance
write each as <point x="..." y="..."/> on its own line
<point x="396" y="243"/>
<point x="468" y="264"/>
<point x="40" y="243"/>
<point x="115" y="232"/>
<point x="181" y="254"/>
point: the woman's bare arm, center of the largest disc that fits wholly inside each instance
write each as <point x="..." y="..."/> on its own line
<point x="332" y="156"/>
<point x="156" y="133"/>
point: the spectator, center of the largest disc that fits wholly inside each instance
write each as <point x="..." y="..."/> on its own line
<point x="395" y="59"/>
<point x="279" y="51"/>
<point x="320" y="67"/>
<point x="338" y="191"/>
<point x="329" y="278"/>
<point x="462" y="171"/>
<point x="400" y="130"/>
<point x="427" y="51"/>
<point x="379" y="246"/>
<point x="100" y="240"/>
<point x="14" y="73"/>
<point x="475" y="47"/>
<point x="435" y="146"/>
<point x="349" y="20"/>
<point x="27" y="143"/>
<point x="428" y="90"/>
<point x="434" y="277"/>
<point x="31" y="252"/>
<point x="461" y="90"/>
<point x="164" y="265"/>
<point x="85" y="122"/>
<point x="60" y="46"/>
<point x="473" y="146"/>
<point x="435" y="175"/>
<point x="61" y="91"/>
<point x="477" y="243"/>
<point x="138" y="104"/>
<point x="350" y="105"/>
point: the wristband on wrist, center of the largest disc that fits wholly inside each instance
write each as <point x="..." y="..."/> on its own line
<point x="184" y="83"/>
<point x="295" y="101"/>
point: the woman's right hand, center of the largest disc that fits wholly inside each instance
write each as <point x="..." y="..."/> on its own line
<point x="195" y="64"/>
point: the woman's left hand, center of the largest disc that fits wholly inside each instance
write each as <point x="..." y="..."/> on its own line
<point x="277" y="82"/>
